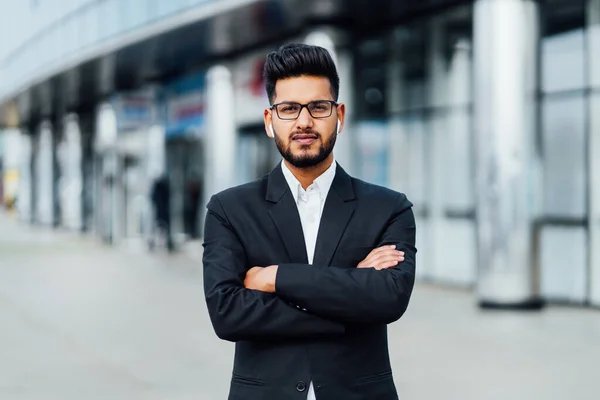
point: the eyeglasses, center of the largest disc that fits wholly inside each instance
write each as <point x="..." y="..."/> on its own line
<point x="290" y="110"/>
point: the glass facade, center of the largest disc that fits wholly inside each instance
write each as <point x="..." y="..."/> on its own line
<point x="417" y="80"/>
<point x="69" y="31"/>
<point x="564" y="138"/>
<point x="413" y="99"/>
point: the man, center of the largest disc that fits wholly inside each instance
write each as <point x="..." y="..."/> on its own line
<point x="161" y="201"/>
<point x="305" y="267"/>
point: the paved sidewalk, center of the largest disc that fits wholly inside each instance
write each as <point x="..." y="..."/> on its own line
<point x="81" y="320"/>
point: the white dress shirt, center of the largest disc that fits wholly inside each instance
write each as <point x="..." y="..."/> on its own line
<point x="310" y="204"/>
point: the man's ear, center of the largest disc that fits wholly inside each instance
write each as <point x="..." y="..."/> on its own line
<point x="341" y="117"/>
<point x="269" y="123"/>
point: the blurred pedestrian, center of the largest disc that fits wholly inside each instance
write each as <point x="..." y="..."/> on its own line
<point x="161" y="201"/>
<point x="305" y="268"/>
<point x="191" y="202"/>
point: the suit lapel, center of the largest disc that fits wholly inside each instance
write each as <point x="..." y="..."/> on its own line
<point x="284" y="214"/>
<point x="337" y="212"/>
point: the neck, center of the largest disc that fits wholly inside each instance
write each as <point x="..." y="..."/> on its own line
<point x="306" y="176"/>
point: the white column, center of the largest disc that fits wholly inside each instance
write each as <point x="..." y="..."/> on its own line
<point x="71" y="179"/>
<point x="24" y="202"/>
<point x="44" y="176"/>
<point x="593" y="15"/>
<point x="106" y="136"/>
<point x="221" y="135"/>
<point x="11" y="145"/>
<point x="506" y="37"/>
<point x="156" y="155"/>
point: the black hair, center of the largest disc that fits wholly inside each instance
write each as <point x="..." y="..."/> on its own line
<point x="293" y="60"/>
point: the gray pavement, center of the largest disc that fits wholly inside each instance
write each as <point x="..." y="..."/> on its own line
<point x="80" y="320"/>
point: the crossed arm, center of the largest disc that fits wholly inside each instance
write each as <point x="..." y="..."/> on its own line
<point x="255" y="304"/>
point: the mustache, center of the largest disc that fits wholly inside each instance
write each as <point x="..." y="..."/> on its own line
<point x="305" y="133"/>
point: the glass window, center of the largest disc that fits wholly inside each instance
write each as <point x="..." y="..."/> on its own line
<point x="563" y="61"/>
<point x="593" y="31"/>
<point x="134" y="13"/>
<point x="69" y="35"/>
<point x="563" y="45"/>
<point x="166" y="8"/>
<point x="109" y="18"/>
<point x="411" y="45"/>
<point x="370" y="78"/>
<point x="435" y="72"/>
<point x="563" y="274"/>
<point x="564" y="156"/>
<point x="458" y="171"/>
<point x="153" y="9"/>
<point x="417" y="163"/>
<point x="87" y="27"/>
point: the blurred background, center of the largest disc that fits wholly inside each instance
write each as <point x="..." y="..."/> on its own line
<point x="486" y="113"/>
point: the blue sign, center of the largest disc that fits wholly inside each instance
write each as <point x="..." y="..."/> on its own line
<point x="134" y="109"/>
<point x="184" y="106"/>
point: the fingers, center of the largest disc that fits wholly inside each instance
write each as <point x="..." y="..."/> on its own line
<point x="385" y="254"/>
<point x="387" y="260"/>
<point x="381" y="249"/>
<point x="382" y="257"/>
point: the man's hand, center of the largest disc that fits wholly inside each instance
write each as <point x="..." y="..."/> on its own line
<point x="382" y="258"/>
<point x="263" y="279"/>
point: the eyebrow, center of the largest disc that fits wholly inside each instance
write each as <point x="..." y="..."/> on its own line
<point x="299" y="102"/>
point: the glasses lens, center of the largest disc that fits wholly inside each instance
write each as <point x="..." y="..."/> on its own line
<point x="320" y="109"/>
<point x="288" y="110"/>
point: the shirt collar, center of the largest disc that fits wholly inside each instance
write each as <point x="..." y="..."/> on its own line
<point x="323" y="182"/>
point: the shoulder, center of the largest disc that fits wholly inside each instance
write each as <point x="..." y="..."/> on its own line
<point x="237" y="195"/>
<point x="380" y="195"/>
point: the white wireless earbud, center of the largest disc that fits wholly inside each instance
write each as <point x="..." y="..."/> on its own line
<point x="272" y="131"/>
<point x="339" y="126"/>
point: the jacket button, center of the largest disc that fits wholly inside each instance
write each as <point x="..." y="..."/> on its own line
<point x="301" y="386"/>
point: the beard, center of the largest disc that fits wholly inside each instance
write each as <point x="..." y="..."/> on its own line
<point x="306" y="159"/>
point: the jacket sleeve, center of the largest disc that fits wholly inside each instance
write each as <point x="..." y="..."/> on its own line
<point x="238" y="313"/>
<point x="357" y="295"/>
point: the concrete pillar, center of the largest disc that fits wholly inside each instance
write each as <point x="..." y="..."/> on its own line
<point x="10" y="155"/>
<point x="156" y="151"/>
<point x="506" y="70"/>
<point x="593" y="16"/>
<point x="221" y="136"/>
<point x="71" y="180"/>
<point x="108" y="196"/>
<point x="24" y="200"/>
<point x="44" y="213"/>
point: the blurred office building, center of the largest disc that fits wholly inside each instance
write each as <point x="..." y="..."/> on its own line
<point x="486" y="113"/>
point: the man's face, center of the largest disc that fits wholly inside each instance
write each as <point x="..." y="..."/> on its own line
<point x="305" y="141"/>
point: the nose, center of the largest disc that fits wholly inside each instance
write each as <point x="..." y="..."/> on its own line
<point x="304" y="119"/>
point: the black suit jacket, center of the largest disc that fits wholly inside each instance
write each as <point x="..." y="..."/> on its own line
<point x="327" y="322"/>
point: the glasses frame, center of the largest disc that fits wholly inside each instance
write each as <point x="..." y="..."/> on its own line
<point x="332" y="102"/>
